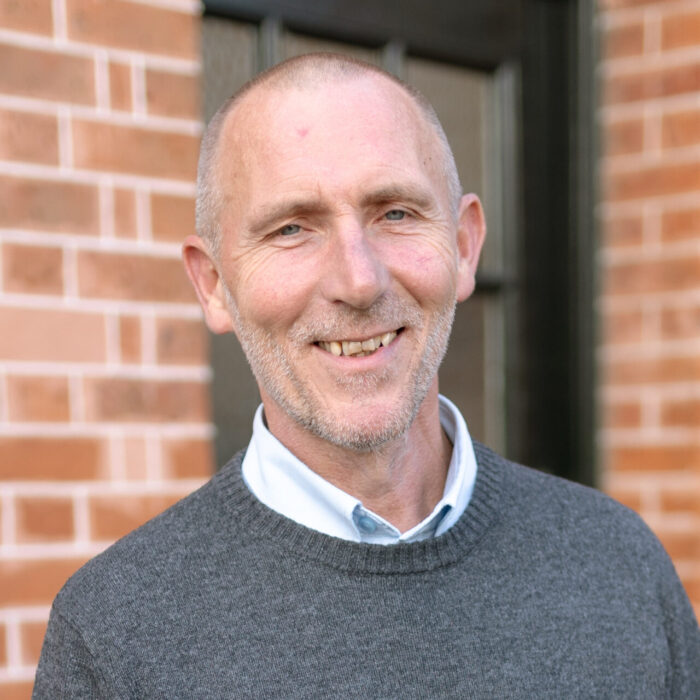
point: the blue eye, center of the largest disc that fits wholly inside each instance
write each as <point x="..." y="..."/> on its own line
<point x="289" y="230"/>
<point x="395" y="215"/>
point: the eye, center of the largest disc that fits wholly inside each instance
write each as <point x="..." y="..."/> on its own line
<point x="289" y="230"/>
<point x="395" y="215"/>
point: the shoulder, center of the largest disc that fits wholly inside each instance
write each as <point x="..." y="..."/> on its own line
<point x="597" y="560"/>
<point x="541" y="494"/>
<point x="573" y="518"/>
<point x="583" y="539"/>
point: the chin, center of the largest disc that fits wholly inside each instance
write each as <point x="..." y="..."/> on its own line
<point x="358" y="438"/>
<point x="363" y="429"/>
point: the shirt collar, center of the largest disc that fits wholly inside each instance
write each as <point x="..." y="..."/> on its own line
<point x="285" y="484"/>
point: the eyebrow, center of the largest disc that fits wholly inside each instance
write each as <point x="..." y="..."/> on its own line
<point x="413" y="194"/>
<point x="270" y="214"/>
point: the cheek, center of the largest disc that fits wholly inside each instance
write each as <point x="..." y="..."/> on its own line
<point x="428" y="272"/>
<point x="272" y="291"/>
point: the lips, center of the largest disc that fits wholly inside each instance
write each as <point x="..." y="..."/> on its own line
<point x="357" y="348"/>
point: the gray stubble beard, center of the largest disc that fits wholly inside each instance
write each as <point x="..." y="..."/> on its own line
<point x="271" y="366"/>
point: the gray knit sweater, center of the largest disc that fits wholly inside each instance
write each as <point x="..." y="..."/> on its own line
<point x="543" y="589"/>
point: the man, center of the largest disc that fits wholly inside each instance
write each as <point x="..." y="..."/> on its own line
<point x="363" y="546"/>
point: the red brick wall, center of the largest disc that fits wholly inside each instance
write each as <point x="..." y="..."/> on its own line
<point x="103" y="361"/>
<point x="650" y="268"/>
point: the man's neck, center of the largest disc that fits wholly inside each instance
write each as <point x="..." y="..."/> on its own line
<point x="401" y="480"/>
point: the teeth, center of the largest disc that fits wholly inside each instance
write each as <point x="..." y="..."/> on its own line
<point x="357" y="348"/>
<point x="387" y="338"/>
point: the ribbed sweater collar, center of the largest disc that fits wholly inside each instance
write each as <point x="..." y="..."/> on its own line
<point x="255" y="520"/>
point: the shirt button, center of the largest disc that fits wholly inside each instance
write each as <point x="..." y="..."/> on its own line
<point x="366" y="524"/>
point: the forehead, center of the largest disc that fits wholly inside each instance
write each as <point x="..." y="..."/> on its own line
<point x="324" y="132"/>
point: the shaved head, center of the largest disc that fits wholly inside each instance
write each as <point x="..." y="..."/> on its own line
<point x="308" y="71"/>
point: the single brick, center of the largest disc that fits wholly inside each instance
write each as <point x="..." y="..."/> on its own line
<point x="681" y="129"/>
<point x="680" y="30"/>
<point x="16" y="690"/>
<point x="650" y="458"/>
<point x="680" y="499"/>
<point x="46" y="205"/>
<point x="680" y="224"/>
<point x="31" y="640"/>
<point x="623" y="136"/>
<point x="622" y="414"/>
<point x="146" y="401"/>
<point x="136" y="277"/>
<point x="44" y="519"/>
<point x="31" y="269"/>
<point x="173" y="94"/>
<point x="112" y="517"/>
<point x="50" y="459"/>
<point x="126" y="149"/>
<point x="669" y="274"/>
<point x="652" y="371"/>
<point x="120" y="87"/>
<point x="38" y="398"/>
<point x="623" y="231"/>
<point x="34" y="582"/>
<point x="181" y="342"/>
<point x="26" y="16"/>
<point x="652" y="181"/>
<point x="28" y="137"/>
<point x="46" y="74"/>
<point x="680" y="323"/>
<point x="130" y="339"/>
<point x="623" y="40"/>
<point x="125" y="213"/>
<point x="683" y="413"/>
<point x="172" y="218"/>
<point x="52" y="336"/>
<point x="186" y="459"/>
<point x="131" y="25"/>
<point x="652" y="83"/>
<point x="622" y="326"/>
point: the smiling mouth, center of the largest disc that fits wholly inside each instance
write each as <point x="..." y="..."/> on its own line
<point x="358" y="348"/>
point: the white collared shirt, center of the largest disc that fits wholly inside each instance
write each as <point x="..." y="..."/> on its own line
<point x="285" y="484"/>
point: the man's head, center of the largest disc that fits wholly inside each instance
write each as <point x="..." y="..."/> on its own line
<point x="301" y="72"/>
<point x="329" y="214"/>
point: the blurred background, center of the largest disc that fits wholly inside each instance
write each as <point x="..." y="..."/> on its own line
<point x="578" y="123"/>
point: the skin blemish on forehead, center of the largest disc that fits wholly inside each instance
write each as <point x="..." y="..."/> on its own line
<point x="302" y="131"/>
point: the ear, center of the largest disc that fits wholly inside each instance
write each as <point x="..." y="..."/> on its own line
<point x="207" y="283"/>
<point x="471" y="231"/>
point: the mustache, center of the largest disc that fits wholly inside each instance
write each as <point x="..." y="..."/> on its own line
<point x="346" y="322"/>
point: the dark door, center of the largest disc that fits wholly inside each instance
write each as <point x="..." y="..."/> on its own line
<point x="514" y="363"/>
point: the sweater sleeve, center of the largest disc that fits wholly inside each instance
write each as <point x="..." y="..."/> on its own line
<point x="66" y="668"/>
<point x="683" y="636"/>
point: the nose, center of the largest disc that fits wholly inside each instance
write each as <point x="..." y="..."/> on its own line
<point x="355" y="273"/>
